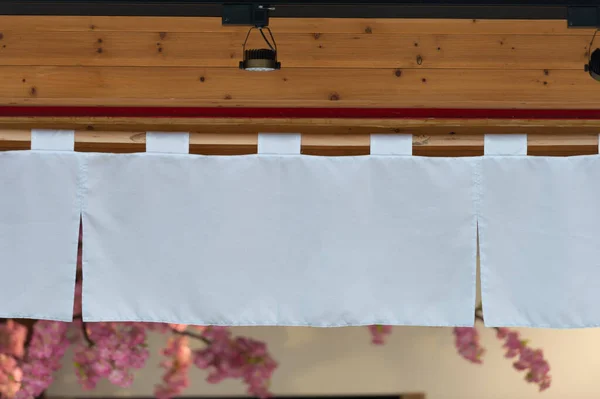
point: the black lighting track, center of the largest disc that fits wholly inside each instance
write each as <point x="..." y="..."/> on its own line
<point x="470" y="9"/>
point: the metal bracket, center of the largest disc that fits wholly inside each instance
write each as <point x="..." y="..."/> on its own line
<point x="583" y="17"/>
<point x="256" y="15"/>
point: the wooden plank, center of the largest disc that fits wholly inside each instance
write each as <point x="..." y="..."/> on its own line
<point x="315" y="144"/>
<point x="97" y="126"/>
<point x="287" y="25"/>
<point x="316" y="50"/>
<point x="429" y="88"/>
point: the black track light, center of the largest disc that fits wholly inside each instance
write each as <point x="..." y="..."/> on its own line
<point x="256" y="16"/>
<point x="593" y="65"/>
<point x="260" y="60"/>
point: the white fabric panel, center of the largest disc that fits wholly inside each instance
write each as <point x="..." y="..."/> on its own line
<point x="391" y="144"/>
<point x="52" y="140"/>
<point x="539" y="233"/>
<point x="39" y="230"/>
<point x="169" y="143"/>
<point x="279" y="143"/>
<point x="280" y="240"/>
<point x="505" y="144"/>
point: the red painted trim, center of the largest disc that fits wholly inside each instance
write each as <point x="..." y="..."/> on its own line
<point x="361" y="113"/>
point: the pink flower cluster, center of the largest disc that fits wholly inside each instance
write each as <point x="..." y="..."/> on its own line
<point x="466" y="340"/>
<point x="116" y="349"/>
<point x="379" y="333"/>
<point x="240" y="357"/>
<point x="10" y="376"/>
<point x="177" y="365"/>
<point x="530" y="360"/>
<point x="48" y="345"/>
<point x="12" y="349"/>
<point x="12" y="338"/>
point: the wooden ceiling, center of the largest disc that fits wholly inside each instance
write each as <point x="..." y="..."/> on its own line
<point x="327" y="63"/>
<point x="129" y="61"/>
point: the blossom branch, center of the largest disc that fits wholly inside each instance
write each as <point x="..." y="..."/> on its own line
<point x="86" y="335"/>
<point x="191" y="335"/>
<point x="84" y="330"/>
<point x="532" y="361"/>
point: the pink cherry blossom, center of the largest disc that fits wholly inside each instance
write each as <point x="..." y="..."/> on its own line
<point x="48" y="345"/>
<point x="177" y="364"/>
<point x="529" y="360"/>
<point x="12" y="338"/>
<point x="379" y="333"/>
<point x="241" y="358"/>
<point x="10" y="376"/>
<point x="512" y="342"/>
<point x="466" y="340"/>
<point x="178" y="327"/>
<point x="115" y="350"/>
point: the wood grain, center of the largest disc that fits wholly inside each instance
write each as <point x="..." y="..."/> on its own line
<point x="313" y="50"/>
<point x="412" y="63"/>
<point x="314" y="144"/>
<point x="171" y="86"/>
<point x="288" y="25"/>
<point x="98" y="126"/>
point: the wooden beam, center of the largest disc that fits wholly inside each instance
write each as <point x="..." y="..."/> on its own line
<point x="136" y="61"/>
<point x="337" y="126"/>
<point x="456" y="144"/>
<point x="186" y="86"/>
<point x="288" y="25"/>
<point x="305" y="50"/>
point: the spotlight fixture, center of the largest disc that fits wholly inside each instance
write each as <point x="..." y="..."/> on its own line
<point x="593" y="65"/>
<point x="257" y="17"/>
<point x="260" y="60"/>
